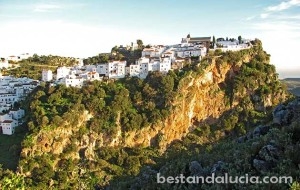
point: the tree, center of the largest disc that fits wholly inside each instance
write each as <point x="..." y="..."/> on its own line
<point x="103" y="58"/>
<point x="35" y="58"/>
<point x="188" y="36"/>
<point x="140" y="44"/>
<point x="214" y="40"/>
<point x="12" y="181"/>
<point x="240" y="39"/>
<point x="114" y="50"/>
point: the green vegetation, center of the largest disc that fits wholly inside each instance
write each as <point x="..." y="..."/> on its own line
<point x="138" y="102"/>
<point x="118" y="54"/>
<point x="131" y="104"/>
<point x="10" y="147"/>
<point x="236" y="158"/>
<point x="33" y="66"/>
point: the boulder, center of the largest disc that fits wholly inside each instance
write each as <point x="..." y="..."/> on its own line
<point x="195" y="168"/>
<point x="249" y="135"/>
<point x="261" y="165"/>
<point x="241" y="139"/>
<point x="269" y="153"/>
<point x="261" y="130"/>
<point x="147" y="176"/>
<point x="219" y="166"/>
<point x="283" y="115"/>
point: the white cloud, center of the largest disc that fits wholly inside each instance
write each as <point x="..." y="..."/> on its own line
<point x="289" y="17"/>
<point x="284" y="5"/>
<point x="250" y="18"/>
<point x="264" y="15"/>
<point x="46" y="7"/>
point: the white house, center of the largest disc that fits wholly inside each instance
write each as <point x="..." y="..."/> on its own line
<point x="133" y="70"/>
<point x="102" y="69"/>
<point x="154" y="51"/>
<point x="24" y="56"/>
<point x="8" y="98"/>
<point x="154" y="65"/>
<point x="93" y="75"/>
<point x="225" y="43"/>
<point x="47" y="75"/>
<point x="8" y="126"/>
<point x="14" y="58"/>
<point x="4" y="107"/>
<point x="80" y="63"/>
<point x="17" y="113"/>
<point x="165" y="65"/>
<point x="90" y="67"/>
<point x="144" y="67"/>
<point x="62" y="72"/>
<point x="232" y="45"/>
<point x="72" y="80"/>
<point x="170" y="53"/>
<point x="190" y="50"/>
<point x="116" y="69"/>
<point x="19" y="57"/>
<point x="13" y="90"/>
<point x="6" y="116"/>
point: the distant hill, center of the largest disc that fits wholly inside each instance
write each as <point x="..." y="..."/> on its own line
<point x="293" y="85"/>
<point x="292" y="79"/>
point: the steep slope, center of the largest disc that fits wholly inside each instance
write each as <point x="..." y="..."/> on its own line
<point x="85" y="137"/>
<point x="269" y="150"/>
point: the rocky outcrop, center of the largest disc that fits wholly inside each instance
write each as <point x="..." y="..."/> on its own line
<point x="196" y="169"/>
<point x="284" y="114"/>
<point x="57" y="140"/>
<point x="218" y="167"/>
<point x="267" y="158"/>
<point x="261" y="165"/>
<point x="201" y="99"/>
<point x="257" y="132"/>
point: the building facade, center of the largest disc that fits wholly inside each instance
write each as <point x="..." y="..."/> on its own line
<point x="47" y="75"/>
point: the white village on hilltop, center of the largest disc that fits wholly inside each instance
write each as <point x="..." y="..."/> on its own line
<point x="13" y="90"/>
<point x="161" y="58"/>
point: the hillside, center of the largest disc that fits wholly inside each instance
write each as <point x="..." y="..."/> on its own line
<point x="269" y="149"/>
<point x="106" y="132"/>
<point x="293" y="85"/>
<point x="33" y="66"/>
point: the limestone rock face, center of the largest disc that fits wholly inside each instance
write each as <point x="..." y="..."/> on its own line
<point x="200" y="98"/>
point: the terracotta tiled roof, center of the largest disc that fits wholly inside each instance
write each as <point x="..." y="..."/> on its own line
<point x="7" y="121"/>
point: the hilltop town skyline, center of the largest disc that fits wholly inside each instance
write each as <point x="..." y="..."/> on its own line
<point x="83" y="29"/>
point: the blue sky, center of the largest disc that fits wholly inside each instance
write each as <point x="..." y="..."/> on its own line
<point x="85" y="28"/>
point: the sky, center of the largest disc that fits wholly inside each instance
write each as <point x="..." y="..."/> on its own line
<point x="83" y="28"/>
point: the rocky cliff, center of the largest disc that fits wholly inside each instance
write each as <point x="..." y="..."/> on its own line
<point x="205" y="92"/>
